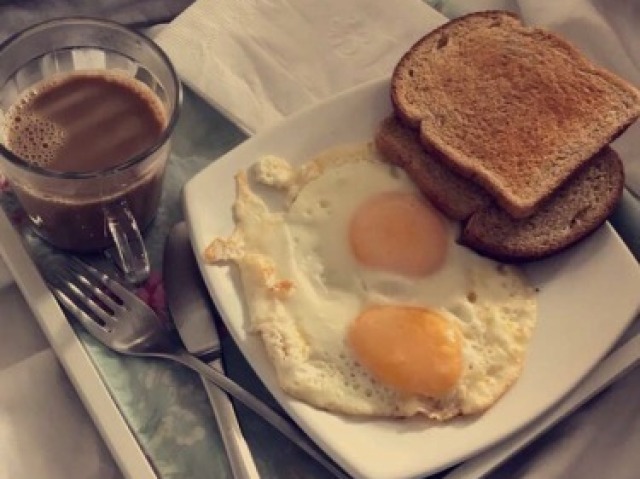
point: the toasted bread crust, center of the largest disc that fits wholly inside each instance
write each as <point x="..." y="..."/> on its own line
<point x="451" y="193"/>
<point x="517" y="110"/>
<point x="576" y="210"/>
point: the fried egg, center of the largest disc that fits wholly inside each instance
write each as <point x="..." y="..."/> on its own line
<point x="364" y="301"/>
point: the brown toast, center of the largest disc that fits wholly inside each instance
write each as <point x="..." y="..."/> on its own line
<point x="579" y="207"/>
<point x="575" y="210"/>
<point x="516" y="109"/>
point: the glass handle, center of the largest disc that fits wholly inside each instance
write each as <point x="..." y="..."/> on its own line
<point x="130" y="252"/>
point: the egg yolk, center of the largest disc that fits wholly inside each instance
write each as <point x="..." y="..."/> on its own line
<point x="399" y="232"/>
<point x="413" y="350"/>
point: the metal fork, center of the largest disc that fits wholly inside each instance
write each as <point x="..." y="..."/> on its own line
<point x="123" y="322"/>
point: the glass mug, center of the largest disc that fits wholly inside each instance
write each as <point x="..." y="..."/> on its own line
<point x="99" y="205"/>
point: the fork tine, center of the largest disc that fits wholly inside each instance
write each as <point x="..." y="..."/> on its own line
<point x="78" y="291"/>
<point x="81" y="271"/>
<point x="87" y="321"/>
<point x="111" y="284"/>
<point x="83" y="298"/>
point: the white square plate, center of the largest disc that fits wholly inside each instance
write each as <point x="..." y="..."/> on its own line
<point x="588" y="296"/>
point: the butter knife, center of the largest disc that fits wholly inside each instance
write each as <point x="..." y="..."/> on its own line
<point x="190" y="307"/>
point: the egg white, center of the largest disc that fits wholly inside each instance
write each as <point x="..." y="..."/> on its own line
<point x="303" y="288"/>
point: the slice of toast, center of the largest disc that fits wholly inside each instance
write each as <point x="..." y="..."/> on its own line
<point x="579" y="207"/>
<point x="516" y="109"/>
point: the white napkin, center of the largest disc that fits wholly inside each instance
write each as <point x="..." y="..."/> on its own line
<point x="605" y="30"/>
<point x="259" y="61"/>
<point x="45" y="432"/>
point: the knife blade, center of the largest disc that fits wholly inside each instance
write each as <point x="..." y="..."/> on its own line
<point x="191" y="309"/>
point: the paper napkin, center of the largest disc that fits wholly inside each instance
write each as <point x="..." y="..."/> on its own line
<point x="259" y="61"/>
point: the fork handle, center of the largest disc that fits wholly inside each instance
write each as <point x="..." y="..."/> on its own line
<point x="256" y="405"/>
